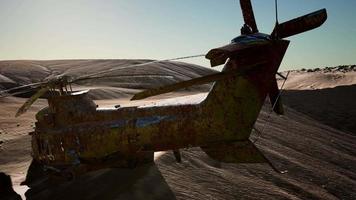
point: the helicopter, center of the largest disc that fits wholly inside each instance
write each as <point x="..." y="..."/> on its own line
<point x="73" y="136"/>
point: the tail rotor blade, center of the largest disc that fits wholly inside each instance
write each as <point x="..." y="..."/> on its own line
<point x="248" y="15"/>
<point x="300" y="24"/>
<point x="30" y="101"/>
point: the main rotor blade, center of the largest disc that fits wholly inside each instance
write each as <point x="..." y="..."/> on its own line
<point x="30" y="101"/>
<point x="22" y="87"/>
<point x="192" y="82"/>
<point x="124" y="76"/>
<point x="248" y="15"/>
<point x="17" y="93"/>
<point x="138" y="65"/>
<point x="300" y="24"/>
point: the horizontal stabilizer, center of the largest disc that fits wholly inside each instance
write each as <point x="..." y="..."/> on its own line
<point x="300" y="24"/>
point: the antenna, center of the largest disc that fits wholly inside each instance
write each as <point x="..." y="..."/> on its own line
<point x="276" y="8"/>
<point x="276" y="35"/>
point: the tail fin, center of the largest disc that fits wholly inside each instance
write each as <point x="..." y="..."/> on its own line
<point x="237" y="152"/>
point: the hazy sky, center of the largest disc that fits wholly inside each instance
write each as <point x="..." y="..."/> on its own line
<point x="159" y="29"/>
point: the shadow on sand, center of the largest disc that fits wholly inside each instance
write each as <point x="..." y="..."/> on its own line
<point x="144" y="182"/>
<point x="335" y="107"/>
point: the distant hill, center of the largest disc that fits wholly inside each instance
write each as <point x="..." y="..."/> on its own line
<point x="321" y="78"/>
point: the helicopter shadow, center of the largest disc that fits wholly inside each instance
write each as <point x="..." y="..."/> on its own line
<point x="144" y="182"/>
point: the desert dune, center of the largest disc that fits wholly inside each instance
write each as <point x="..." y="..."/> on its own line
<point x="315" y="141"/>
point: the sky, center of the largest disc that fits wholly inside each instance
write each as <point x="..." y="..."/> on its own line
<point x="162" y="29"/>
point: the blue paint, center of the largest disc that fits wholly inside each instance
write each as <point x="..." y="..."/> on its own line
<point x="145" y="121"/>
<point x="118" y="124"/>
<point x="248" y="39"/>
<point x="73" y="153"/>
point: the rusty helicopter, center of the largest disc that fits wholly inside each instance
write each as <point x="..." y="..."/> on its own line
<point x="73" y="136"/>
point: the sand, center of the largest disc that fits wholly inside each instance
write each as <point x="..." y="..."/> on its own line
<point x="320" y="157"/>
<point x="321" y="79"/>
<point x="327" y="95"/>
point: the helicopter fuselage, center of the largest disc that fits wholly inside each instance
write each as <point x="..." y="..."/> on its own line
<point x="72" y="132"/>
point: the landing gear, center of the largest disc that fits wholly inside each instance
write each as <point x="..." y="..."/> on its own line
<point x="177" y="156"/>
